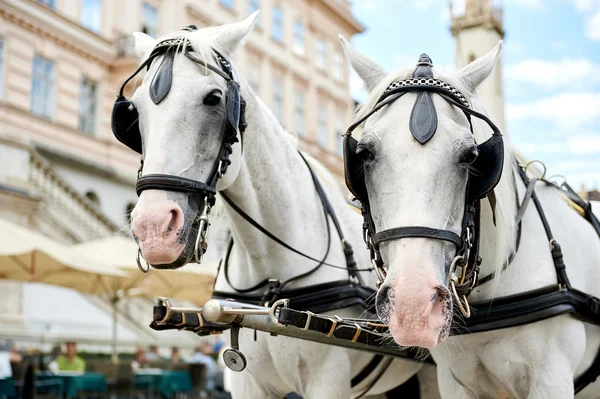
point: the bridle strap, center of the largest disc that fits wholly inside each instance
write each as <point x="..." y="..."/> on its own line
<point x="417" y="232"/>
<point x="171" y="183"/>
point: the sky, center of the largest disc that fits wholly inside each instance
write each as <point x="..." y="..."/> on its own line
<point x="551" y="66"/>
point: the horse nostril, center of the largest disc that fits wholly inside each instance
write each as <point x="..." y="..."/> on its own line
<point x="175" y="222"/>
<point x="384" y="303"/>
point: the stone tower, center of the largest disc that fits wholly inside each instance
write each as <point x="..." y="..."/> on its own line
<point x="477" y="29"/>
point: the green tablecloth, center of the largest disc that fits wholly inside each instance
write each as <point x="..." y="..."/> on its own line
<point x="167" y="382"/>
<point x="7" y="388"/>
<point x="73" y="383"/>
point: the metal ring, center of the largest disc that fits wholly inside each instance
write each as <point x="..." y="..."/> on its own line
<point x="139" y="255"/>
<point x="308" y="318"/>
<point x="454" y="263"/>
<point x="274" y="307"/>
<point x="465" y="311"/>
<point x="558" y="175"/>
<point x="528" y="164"/>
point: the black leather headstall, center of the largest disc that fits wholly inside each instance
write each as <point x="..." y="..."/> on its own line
<point x="125" y="124"/>
<point x="485" y="172"/>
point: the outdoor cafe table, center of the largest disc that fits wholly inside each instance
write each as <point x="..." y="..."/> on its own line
<point x="7" y="388"/>
<point x="74" y="382"/>
<point x="167" y="382"/>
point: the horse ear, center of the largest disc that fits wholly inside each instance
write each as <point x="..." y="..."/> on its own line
<point x="232" y="35"/>
<point x="370" y="72"/>
<point x="143" y="43"/>
<point x="473" y="74"/>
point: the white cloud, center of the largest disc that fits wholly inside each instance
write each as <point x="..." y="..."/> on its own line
<point x="568" y="110"/>
<point x="579" y="145"/>
<point x="591" y="11"/>
<point x="586" y="5"/>
<point x="568" y="72"/>
<point x="592" y="26"/>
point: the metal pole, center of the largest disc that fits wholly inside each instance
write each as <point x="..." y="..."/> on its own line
<point x="257" y="318"/>
<point x="115" y="357"/>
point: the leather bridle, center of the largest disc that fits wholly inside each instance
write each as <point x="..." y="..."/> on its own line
<point x="464" y="269"/>
<point x="126" y="129"/>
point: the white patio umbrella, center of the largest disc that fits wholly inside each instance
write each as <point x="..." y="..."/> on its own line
<point x="26" y="255"/>
<point x="191" y="282"/>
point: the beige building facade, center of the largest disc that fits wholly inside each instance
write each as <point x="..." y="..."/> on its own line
<point x="62" y="62"/>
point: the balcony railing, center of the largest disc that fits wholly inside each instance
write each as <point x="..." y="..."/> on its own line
<point x="77" y="212"/>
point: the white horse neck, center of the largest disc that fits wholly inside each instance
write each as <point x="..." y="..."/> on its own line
<point x="499" y="239"/>
<point x="275" y="188"/>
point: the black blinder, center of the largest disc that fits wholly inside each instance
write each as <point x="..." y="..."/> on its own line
<point x="354" y="169"/>
<point x="124" y="123"/>
<point x="234" y="106"/>
<point x="161" y="83"/>
<point x="486" y="171"/>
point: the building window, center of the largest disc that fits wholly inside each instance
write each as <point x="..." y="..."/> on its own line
<point x="298" y="38"/>
<point x="299" y="112"/>
<point x="87" y="106"/>
<point x="338" y="67"/>
<point x="42" y="88"/>
<point x="49" y="3"/>
<point x="277" y="24"/>
<point x="339" y="131"/>
<point x="321" y="61"/>
<point x="149" y="19"/>
<point x="91" y="14"/>
<point x="322" y="125"/>
<point x="254" y="5"/>
<point x="1" y="67"/>
<point x="227" y="3"/>
<point x="93" y="197"/>
<point x="254" y="77"/>
<point x="278" y="99"/>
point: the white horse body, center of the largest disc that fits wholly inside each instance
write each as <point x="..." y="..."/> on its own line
<point x="538" y="360"/>
<point x="271" y="183"/>
<point x="542" y="359"/>
<point x="274" y="187"/>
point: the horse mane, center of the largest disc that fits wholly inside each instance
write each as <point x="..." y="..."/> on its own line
<point x="506" y="208"/>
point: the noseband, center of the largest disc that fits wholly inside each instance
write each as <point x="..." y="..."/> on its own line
<point x="464" y="269"/>
<point x="126" y="129"/>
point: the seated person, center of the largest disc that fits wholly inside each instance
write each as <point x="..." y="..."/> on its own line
<point x="140" y="359"/>
<point x="175" y="357"/>
<point x="152" y="355"/>
<point x="203" y="355"/>
<point x="71" y="362"/>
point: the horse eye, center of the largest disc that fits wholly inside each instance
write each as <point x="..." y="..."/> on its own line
<point x="364" y="153"/>
<point x="213" y="98"/>
<point x="469" y="157"/>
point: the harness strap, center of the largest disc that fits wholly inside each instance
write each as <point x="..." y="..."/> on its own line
<point x="349" y="333"/>
<point x="417" y="231"/>
<point x="364" y="373"/>
<point x="317" y="298"/>
<point x="526" y="199"/>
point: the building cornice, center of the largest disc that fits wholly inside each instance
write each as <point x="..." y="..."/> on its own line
<point x="48" y="23"/>
<point x="345" y="14"/>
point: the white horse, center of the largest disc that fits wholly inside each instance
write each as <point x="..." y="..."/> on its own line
<point x="410" y="184"/>
<point x="269" y="181"/>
